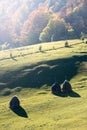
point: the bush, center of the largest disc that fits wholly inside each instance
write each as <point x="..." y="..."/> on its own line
<point x="86" y="42"/>
<point x="40" y="48"/>
<point x="66" y="44"/>
<point x="82" y="39"/>
<point x="17" y="89"/>
<point x="6" y="92"/>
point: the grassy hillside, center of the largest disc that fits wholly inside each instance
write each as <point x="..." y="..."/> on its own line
<point x="29" y="73"/>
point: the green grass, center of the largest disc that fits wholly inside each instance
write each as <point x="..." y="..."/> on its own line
<point x="30" y="74"/>
<point x="46" y="111"/>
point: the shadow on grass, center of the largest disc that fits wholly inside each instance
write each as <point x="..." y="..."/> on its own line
<point x="74" y="94"/>
<point x="13" y="59"/>
<point x="71" y="94"/>
<point x="20" y="111"/>
<point x="43" y="73"/>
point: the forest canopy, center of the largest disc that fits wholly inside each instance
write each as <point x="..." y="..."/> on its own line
<point x="34" y="21"/>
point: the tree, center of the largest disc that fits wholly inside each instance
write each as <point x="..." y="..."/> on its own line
<point x="34" y="25"/>
<point x="78" y="19"/>
<point x="54" y="27"/>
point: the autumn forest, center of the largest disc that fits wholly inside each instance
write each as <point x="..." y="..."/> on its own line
<point x="27" y="22"/>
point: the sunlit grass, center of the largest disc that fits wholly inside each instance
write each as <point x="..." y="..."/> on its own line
<point x="24" y="51"/>
<point x="45" y="111"/>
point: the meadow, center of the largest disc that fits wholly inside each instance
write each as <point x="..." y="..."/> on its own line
<point x="29" y="73"/>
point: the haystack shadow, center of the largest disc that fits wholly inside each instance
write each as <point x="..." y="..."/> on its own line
<point x="20" y="111"/>
<point x="74" y="94"/>
<point x="71" y="94"/>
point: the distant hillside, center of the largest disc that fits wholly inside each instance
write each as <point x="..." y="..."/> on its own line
<point x="33" y="21"/>
<point x="41" y="65"/>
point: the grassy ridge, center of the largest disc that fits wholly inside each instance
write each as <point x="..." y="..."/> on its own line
<point x="53" y="62"/>
<point x="30" y="76"/>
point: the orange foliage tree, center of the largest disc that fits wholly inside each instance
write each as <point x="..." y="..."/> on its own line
<point x="35" y="23"/>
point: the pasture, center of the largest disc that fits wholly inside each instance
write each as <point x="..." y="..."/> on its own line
<point x="29" y="72"/>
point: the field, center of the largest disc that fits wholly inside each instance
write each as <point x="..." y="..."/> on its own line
<point x="29" y="73"/>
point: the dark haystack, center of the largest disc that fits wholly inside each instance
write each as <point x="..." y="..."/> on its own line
<point x="14" y="102"/>
<point x="56" y="89"/>
<point x="66" y="87"/>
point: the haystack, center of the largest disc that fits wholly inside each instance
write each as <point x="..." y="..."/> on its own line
<point x="56" y="89"/>
<point x="14" y="102"/>
<point x="66" y="87"/>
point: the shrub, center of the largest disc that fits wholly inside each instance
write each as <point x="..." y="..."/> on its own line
<point x="17" y="89"/>
<point x="54" y="48"/>
<point x="40" y="48"/>
<point x="82" y="38"/>
<point x="86" y="42"/>
<point x="66" y="44"/>
<point x="6" y="92"/>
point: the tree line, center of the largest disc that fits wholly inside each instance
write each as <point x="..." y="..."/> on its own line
<point x="32" y="22"/>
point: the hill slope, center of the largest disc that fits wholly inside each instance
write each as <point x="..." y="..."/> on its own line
<point x="29" y="72"/>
